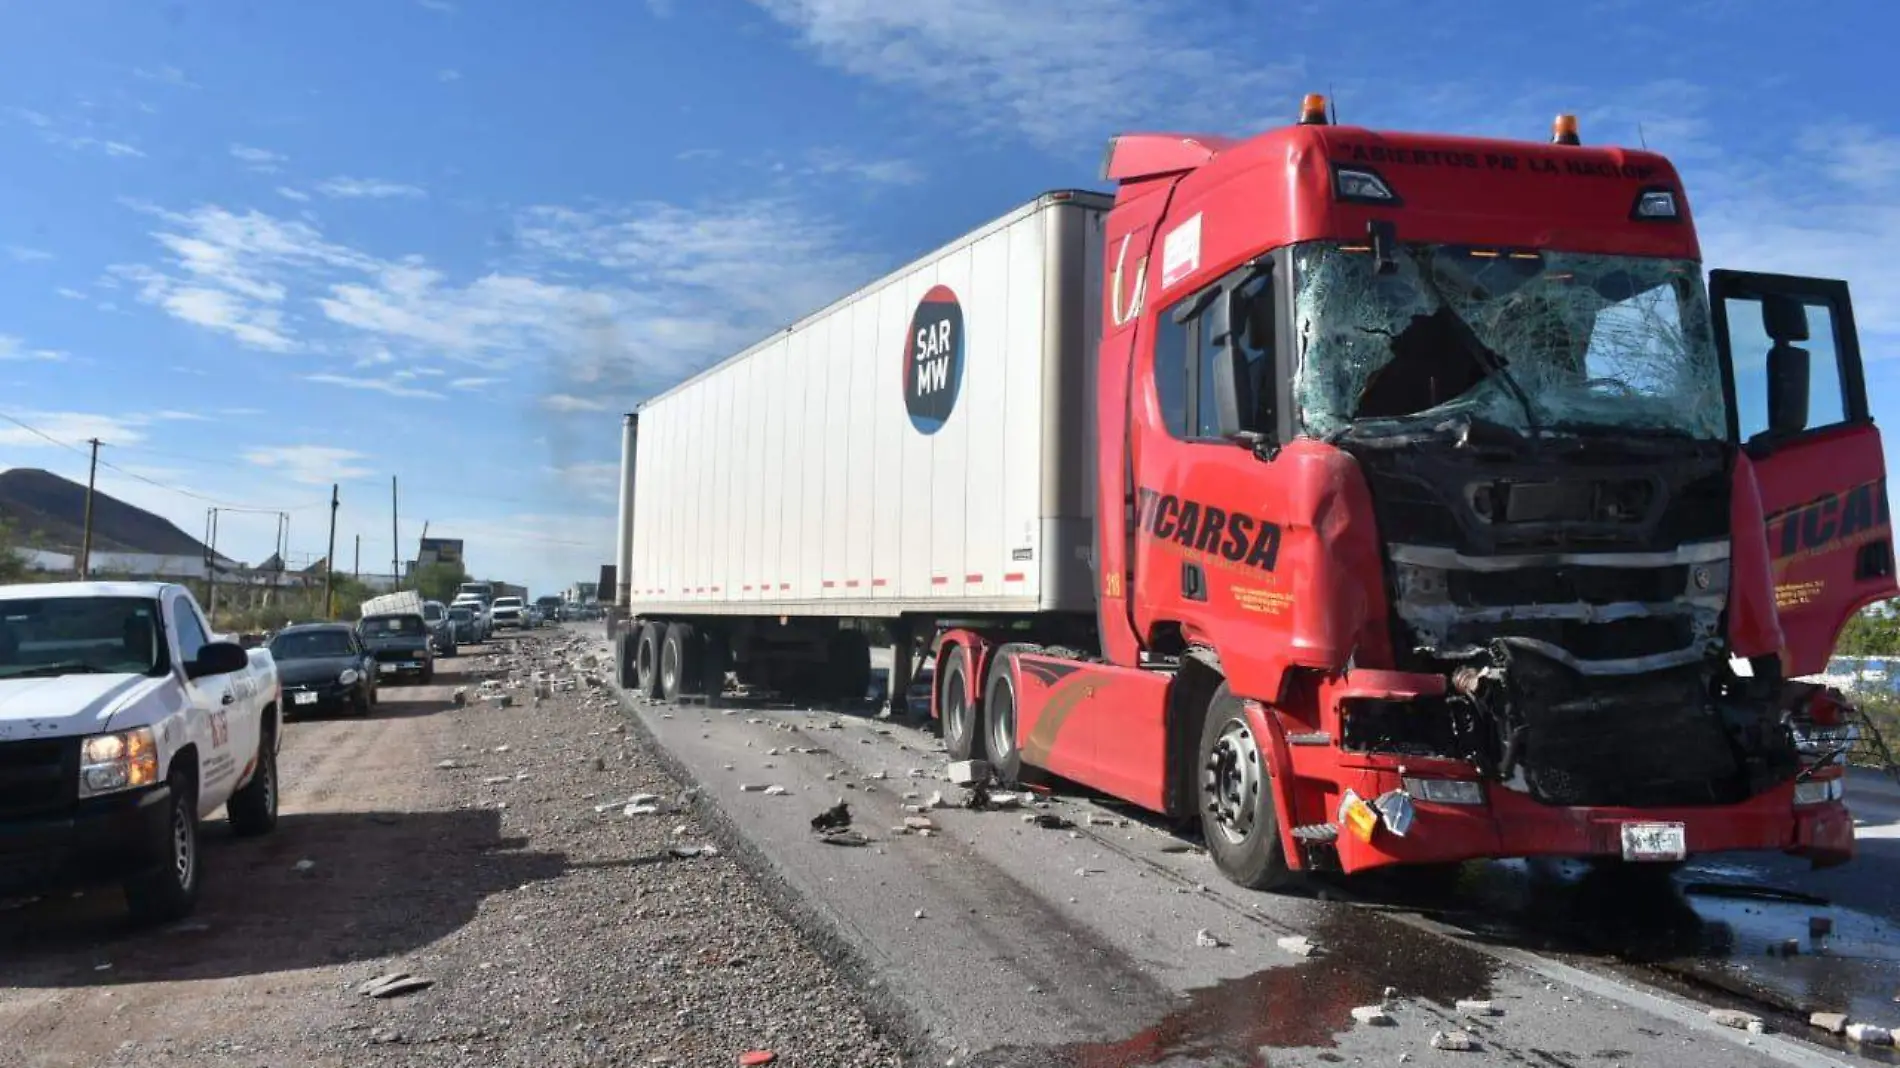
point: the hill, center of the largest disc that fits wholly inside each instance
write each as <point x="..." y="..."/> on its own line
<point x="49" y="512"/>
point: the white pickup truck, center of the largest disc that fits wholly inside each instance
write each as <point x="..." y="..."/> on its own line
<point x="123" y="723"/>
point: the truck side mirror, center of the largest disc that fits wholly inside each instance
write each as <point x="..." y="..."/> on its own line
<point x="1785" y="320"/>
<point x="218" y="658"/>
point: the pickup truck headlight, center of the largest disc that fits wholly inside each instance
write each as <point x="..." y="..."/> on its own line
<point x="109" y="763"/>
<point x="348" y="677"/>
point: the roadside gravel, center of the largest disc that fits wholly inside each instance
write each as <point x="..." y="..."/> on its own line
<point x="563" y="932"/>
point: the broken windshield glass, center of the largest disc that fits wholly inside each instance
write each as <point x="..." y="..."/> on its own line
<point x="1527" y="340"/>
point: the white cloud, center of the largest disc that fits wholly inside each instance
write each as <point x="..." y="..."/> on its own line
<point x="472" y="383"/>
<point x="1057" y="71"/>
<point x="292" y="194"/>
<point x="164" y="75"/>
<point x="834" y="162"/>
<point x="69" y="293"/>
<point x="13" y="349"/>
<point x="598" y="480"/>
<point x="370" y="188"/>
<point x="111" y="148"/>
<point x="258" y="160"/>
<point x="69" y="429"/>
<point x="316" y="465"/>
<point x="443" y="7"/>
<point x="448" y="74"/>
<point x="175" y="416"/>
<point x="391" y="386"/>
<point x="240" y="412"/>
<point x="22" y="254"/>
<point x="567" y="402"/>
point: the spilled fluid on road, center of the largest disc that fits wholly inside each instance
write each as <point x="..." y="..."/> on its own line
<point x="1239" y="1023"/>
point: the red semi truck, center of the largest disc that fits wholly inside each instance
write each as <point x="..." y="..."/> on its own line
<point x="1373" y="498"/>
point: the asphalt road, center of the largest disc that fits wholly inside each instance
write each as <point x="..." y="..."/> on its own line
<point x="999" y="942"/>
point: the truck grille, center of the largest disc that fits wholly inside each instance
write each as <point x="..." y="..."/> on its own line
<point x="38" y="776"/>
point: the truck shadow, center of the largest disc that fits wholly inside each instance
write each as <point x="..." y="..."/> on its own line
<point x="380" y="884"/>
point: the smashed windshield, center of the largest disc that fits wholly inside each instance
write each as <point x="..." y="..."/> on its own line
<point x="1528" y="340"/>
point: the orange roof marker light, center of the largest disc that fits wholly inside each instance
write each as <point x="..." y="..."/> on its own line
<point x="1563" y="131"/>
<point x="1313" y="110"/>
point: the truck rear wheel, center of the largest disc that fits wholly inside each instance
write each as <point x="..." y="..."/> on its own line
<point x="999" y="715"/>
<point x="849" y="665"/>
<point x="253" y="810"/>
<point x="646" y="660"/>
<point x="1238" y="818"/>
<point x="170" y="891"/>
<point x="956" y="707"/>
<point x="679" y="662"/>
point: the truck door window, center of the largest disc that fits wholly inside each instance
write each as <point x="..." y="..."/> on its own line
<point x="191" y="634"/>
<point x="1171" y="373"/>
<point x="1253" y="340"/>
<point x="1749" y="345"/>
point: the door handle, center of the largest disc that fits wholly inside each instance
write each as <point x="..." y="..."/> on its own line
<point x="228" y="699"/>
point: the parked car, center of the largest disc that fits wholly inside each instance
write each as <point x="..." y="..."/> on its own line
<point x="400" y="644"/>
<point x="324" y="668"/>
<point x="463" y="622"/>
<point x="508" y="612"/>
<point x="484" y="622"/>
<point x="123" y="723"/>
<point x="441" y="628"/>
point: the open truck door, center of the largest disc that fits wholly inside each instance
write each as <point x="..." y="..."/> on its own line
<point x="1801" y="415"/>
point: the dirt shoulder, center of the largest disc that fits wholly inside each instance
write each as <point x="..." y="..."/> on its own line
<point x="559" y="930"/>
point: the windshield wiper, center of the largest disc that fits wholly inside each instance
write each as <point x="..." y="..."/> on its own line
<point x="63" y="667"/>
<point x="1475" y="347"/>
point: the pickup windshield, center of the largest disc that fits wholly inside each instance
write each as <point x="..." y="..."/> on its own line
<point x="394" y="627"/>
<point x="311" y="645"/>
<point x="80" y="636"/>
<point x="1533" y="341"/>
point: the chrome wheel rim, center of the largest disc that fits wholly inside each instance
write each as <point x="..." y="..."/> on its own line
<point x="184" y="856"/>
<point x="1003" y="721"/>
<point x="954" y="704"/>
<point x="1230" y="782"/>
<point x="269" y="771"/>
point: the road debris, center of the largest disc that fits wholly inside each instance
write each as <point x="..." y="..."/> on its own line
<point x="1869" y="1034"/>
<point x="1374" y="1015"/>
<point x="447" y="765"/>
<point x="968" y="772"/>
<point x="1454" y="1041"/>
<point x="919" y="823"/>
<point x="1207" y="939"/>
<point x="394" y="984"/>
<point x="1049" y="821"/>
<point x="1735" y="1018"/>
<point x="846" y="837"/>
<point x="1833" y="1023"/>
<point x="640" y="810"/>
<point x="776" y="791"/>
<point x="1479" y="1008"/>
<point x="834" y="818"/>
<point x="1298" y="945"/>
<point x="751" y="787"/>
<point x="757" y="1057"/>
<point x="304" y="866"/>
<point x="688" y="852"/>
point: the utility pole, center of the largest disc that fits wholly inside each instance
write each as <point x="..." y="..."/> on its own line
<point x="329" y="563"/>
<point x="395" y="542"/>
<point x="211" y="571"/>
<point x="85" y="542"/>
<point x="356" y="568"/>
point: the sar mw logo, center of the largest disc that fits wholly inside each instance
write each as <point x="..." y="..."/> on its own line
<point x="933" y="360"/>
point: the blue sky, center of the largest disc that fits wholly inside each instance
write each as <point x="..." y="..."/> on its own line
<point x="258" y="247"/>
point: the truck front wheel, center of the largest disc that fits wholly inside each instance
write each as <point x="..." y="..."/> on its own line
<point x="170" y="891"/>
<point x="1236" y="798"/>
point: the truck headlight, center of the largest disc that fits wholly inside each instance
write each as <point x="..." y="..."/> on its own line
<point x="348" y="677"/>
<point x="1819" y="791"/>
<point x="109" y="763"/>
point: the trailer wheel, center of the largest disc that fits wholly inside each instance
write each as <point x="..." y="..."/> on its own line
<point x="999" y="715"/>
<point x="679" y="665"/>
<point x="848" y="665"/>
<point x="646" y="655"/>
<point x="956" y="707"/>
<point x="1238" y="818"/>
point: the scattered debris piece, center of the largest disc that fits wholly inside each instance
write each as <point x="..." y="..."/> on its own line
<point x="1787" y="947"/>
<point x="1298" y="945"/>
<point x="1479" y="1008"/>
<point x="1049" y="821"/>
<point x="834" y="818"/>
<point x="1834" y="1023"/>
<point x="1207" y="939"/>
<point x="776" y="790"/>
<point x="879" y="775"/>
<point x="751" y="788"/>
<point x="1390" y="994"/>
<point x="496" y="780"/>
<point x="968" y="772"/>
<point x="919" y="914"/>
<point x="688" y="852"/>
<point x="304" y="866"/>
<point x="846" y="837"/>
<point x="1374" y="1015"/>
<point x="640" y="810"/>
<point x="757" y="1056"/>
<point x="919" y="823"/>
<point x="447" y="765"/>
<point x="1735" y="1018"/>
<point x="1869" y="1035"/>
<point x="394" y="984"/>
<point x="1455" y="1041"/>
<point x="772" y="751"/>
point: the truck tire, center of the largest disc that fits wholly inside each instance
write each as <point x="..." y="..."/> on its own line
<point x="253" y="810"/>
<point x="647" y="660"/>
<point x="999" y="716"/>
<point x="170" y="892"/>
<point x="848" y="659"/>
<point x="957" y="708"/>
<point x="626" y="647"/>
<point x="1235" y="796"/>
<point x="679" y="662"/>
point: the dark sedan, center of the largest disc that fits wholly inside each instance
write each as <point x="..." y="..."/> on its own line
<point x="401" y="644"/>
<point x="323" y="668"/>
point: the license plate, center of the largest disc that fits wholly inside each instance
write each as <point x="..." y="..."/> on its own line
<point x="305" y="698"/>
<point x="1654" y="841"/>
<point x="387" y="669"/>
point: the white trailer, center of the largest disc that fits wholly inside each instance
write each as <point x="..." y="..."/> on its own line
<point x="919" y="449"/>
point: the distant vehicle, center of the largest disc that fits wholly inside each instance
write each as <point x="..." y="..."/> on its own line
<point x="481" y="591"/>
<point x="400" y="643"/>
<point x="483" y="620"/>
<point x="509" y="612"/>
<point x="195" y="726"/>
<point x="441" y="628"/>
<point x="462" y="618"/>
<point x="550" y="607"/>
<point x="324" y="668"/>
